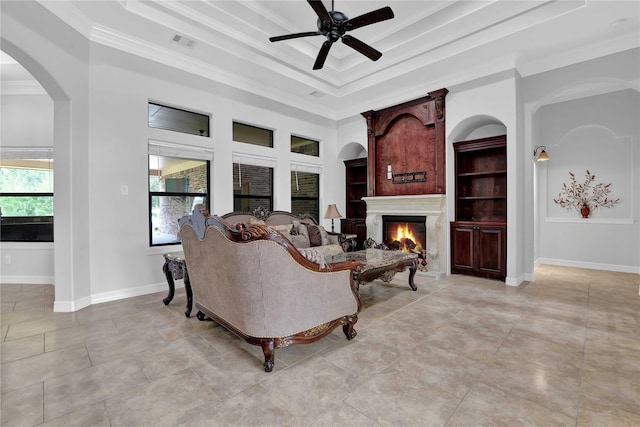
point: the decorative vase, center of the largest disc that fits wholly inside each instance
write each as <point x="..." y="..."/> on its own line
<point x="585" y="210"/>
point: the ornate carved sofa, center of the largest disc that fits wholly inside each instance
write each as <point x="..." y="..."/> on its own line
<point x="311" y="239"/>
<point x="254" y="282"/>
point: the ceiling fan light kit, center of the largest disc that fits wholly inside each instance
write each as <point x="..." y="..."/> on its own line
<point x="333" y="25"/>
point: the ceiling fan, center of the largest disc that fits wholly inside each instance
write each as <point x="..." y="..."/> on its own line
<point x="333" y="25"/>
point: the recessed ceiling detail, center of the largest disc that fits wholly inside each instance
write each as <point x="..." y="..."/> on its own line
<point x="427" y="45"/>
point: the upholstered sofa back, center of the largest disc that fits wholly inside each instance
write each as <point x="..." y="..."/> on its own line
<point x="262" y="286"/>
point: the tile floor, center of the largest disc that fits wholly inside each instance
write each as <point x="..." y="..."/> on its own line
<point x="461" y="351"/>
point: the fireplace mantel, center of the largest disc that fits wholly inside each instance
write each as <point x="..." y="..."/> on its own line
<point x="433" y="206"/>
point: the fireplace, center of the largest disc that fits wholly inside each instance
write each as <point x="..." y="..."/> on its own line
<point x="430" y="208"/>
<point x="405" y="232"/>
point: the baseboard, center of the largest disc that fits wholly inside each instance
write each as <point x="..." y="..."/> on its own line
<point x="71" y="306"/>
<point x="589" y="265"/>
<point x="133" y="292"/>
<point x="36" y="280"/>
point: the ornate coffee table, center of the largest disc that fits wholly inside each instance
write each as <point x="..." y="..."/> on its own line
<point x="378" y="263"/>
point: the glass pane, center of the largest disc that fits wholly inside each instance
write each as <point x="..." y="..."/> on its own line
<point x="177" y="120"/>
<point x="305" y="146"/>
<point x="26" y="176"/>
<point x="305" y="193"/>
<point x="26" y="206"/>
<point x="252" y="135"/>
<point x="251" y="204"/>
<point x="252" y="187"/>
<point x="173" y="174"/>
<point x="165" y="213"/>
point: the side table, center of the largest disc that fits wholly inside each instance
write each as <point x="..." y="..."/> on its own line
<point x="175" y="268"/>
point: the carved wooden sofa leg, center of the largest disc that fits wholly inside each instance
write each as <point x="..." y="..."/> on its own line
<point x="267" y="349"/>
<point x="348" y="330"/>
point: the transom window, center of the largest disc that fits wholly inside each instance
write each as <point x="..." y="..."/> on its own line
<point x="306" y="146"/>
<point x="252" y="135"/>
<point x="178" y="120"/>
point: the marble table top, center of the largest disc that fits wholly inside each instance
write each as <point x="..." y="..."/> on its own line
<point x="373" y="258"/>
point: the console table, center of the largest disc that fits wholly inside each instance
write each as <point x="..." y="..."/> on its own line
<point x="174" y="268"/>
<point x="379" y="263"/>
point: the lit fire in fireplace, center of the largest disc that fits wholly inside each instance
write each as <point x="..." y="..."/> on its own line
<point x="401" y="234"/>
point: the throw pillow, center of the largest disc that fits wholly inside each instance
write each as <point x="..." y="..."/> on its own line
<point x="314" y="255"/>
<point x="315" y="236"/>
<point x="324" y="235"/>
<point x="300" y="241"/>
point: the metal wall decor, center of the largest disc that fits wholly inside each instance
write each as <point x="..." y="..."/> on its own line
<point x="408" y="177"/>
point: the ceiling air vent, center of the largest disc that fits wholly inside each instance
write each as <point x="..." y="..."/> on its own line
<point x="183" y="41"/>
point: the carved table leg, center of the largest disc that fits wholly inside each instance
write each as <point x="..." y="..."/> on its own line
<point x="172" y="289"/>
<point x="412" y="272"/>
<point x="267" y="349"/>
<point x="187" y="288"/>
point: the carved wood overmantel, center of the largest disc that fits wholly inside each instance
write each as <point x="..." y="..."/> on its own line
<point x="406" y="147"/>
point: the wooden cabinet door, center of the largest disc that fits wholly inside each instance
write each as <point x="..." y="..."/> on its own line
<point x="463" y="248"/>
<point x="491" y="254"/>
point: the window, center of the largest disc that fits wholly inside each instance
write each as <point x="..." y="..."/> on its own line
<point x="26" y="195"/>
<point x="177" y="120"/>
<point x="252" y="135"/>
<point x="252" y="187"/>
<point x="305" y="188"/>
<point x="305" y="146"/>
<point x="176" y="184"/>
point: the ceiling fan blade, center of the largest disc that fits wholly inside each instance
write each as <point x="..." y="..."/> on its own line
<point x="369" y="18"/>
<point x="320" y="10"/>
<point x="322" y="55"/>
<point x="361" y="47"/>
<point x="294" y="36"/>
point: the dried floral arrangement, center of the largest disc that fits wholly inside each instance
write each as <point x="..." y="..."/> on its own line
<point x="585" y="197"/>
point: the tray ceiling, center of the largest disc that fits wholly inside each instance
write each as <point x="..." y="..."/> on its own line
<point x="428" y="45"/>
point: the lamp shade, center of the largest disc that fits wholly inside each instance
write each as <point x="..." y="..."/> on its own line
<point x="540" y="154"/>
<point x="543" y="156"/>
<point x="332" y="212"/>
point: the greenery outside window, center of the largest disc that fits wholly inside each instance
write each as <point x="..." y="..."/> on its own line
<point x="26" y="195"/>
<point x="252" y="187"/>
<point x="305" y="146"/>
<point x="176" y="185"/>
<point x="305" y="190"/>
<point x="178" y="120"/>
<point x="252" y="135"/>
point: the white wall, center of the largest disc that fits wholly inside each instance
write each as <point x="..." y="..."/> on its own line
<point x="27" y="121"/>
<point x="565" y="112"/>
<point x="600" y="134"/>
<point x="118" y="156"/>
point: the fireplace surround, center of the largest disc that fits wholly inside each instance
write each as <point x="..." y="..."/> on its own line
<point x="429" y="206"/>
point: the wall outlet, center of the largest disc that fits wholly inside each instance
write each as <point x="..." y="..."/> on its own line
<point x="7" y="259"/>
<point x="124" y="190"/>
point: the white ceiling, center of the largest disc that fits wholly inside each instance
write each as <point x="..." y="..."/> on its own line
<point x="428" y="45"/>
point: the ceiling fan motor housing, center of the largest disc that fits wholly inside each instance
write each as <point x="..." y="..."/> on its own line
<point x="333" y="30"/>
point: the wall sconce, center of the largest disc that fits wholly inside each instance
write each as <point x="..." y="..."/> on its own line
<point x="539" y="153"/>
<point x="332" y="212"/>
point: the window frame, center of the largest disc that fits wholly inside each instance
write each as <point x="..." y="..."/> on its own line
<point x="240" y="123"/>
<point x="186" y="154"/>
<point x="204" y="133"/>
<point x="237" y="196"/>
<point x="317" y="145"/>
<point x="40" y="226"/>
<point x="316" y="199"/>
